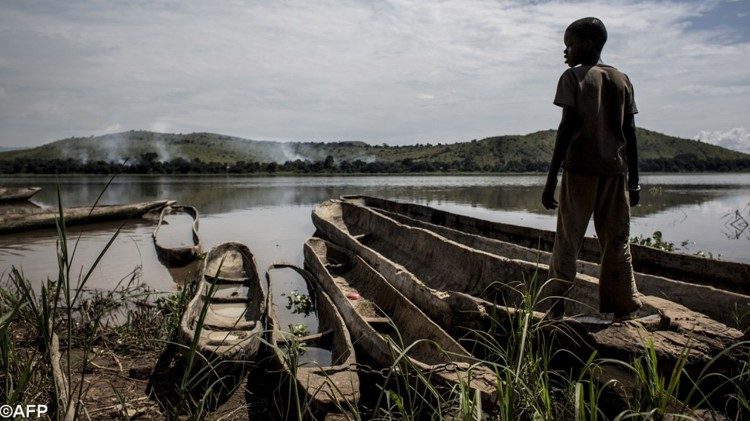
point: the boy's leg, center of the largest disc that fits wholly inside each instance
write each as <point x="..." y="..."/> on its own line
<point x="576" y="204"/>
<point x="617" y="291"/>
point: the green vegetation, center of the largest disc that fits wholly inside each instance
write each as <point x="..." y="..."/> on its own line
<point x="148" y="152"/>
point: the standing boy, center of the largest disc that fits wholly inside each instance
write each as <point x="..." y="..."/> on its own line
<point x="596" y="146"/>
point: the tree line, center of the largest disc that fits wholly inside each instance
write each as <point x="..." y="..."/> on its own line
<point x="149" y="164"/>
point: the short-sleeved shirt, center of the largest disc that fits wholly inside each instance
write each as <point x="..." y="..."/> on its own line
<point x="602" y="97"/>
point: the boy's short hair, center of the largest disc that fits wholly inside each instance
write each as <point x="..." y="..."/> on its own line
<point x="589" y="29"/>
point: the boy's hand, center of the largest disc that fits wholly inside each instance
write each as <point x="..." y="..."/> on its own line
<point x="635" y="197"/>
<point x="548" y="196"/>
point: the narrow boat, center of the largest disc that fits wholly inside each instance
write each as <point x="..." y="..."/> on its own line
<point x="705" y="299"/>
<point x="322" y="365"/>
<point x="172" y="247"/>
<point x="14" y="194"/>
<point x="384" y="322"/>
<point x="223" y="322"/>
<point x="47" y="218"/>
<point x="725" y="275"/>
<point x="432" y="271"/>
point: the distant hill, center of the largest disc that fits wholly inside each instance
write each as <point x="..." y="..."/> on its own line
<point x="530" y="152"/>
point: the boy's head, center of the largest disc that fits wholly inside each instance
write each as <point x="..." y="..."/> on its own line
<point x="584" y="40"/>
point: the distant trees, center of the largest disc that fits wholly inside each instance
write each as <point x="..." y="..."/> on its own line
<point x="147" y="163"/>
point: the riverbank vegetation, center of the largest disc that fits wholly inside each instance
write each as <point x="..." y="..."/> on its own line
<point x="149" y="164"/>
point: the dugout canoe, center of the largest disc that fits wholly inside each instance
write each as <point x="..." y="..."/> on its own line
<point x="323" y="388"/>
<point x="384" y="322"/>
<point x="46" y="217"/>
<point x="15" y="194"/>
<point x="181" y="255"/>
<point x="725" y="275"/>
<point x="721" y="305"/>
<point x="223" y="322"/>
<point x="432" y="271"/>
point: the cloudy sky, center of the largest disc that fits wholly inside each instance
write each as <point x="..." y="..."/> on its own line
<point x="396" y="71"/>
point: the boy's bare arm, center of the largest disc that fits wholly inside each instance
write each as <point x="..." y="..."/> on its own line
<point x="631" y="153"/>
<point x="564" y="136"/>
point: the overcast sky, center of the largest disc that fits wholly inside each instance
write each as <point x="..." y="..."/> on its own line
<point x="397" y="71"/>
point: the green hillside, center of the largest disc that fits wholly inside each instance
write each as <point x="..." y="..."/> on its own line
<point x="529" y="152"/>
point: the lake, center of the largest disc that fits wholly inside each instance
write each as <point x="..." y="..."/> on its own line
<point x="271" y="215"/>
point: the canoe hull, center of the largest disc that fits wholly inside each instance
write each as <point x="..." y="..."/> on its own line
<point x="43" y="218"/>
<point x="413" y="260"/>
<point x="178" y="256"/>
<point x="16" y="194"/>
<point x="223" y="322"/>
<point x="730" y="276"/>
<point x="704" y="299"/>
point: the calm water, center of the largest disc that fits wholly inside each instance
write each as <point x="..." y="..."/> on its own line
<point x="272" y="215"/>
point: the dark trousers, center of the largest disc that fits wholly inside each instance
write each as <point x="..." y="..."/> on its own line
<point x="605" y="197"/>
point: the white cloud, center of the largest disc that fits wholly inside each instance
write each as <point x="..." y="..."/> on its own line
<point x="737" y="138"/>
<point x="401" y="71"/>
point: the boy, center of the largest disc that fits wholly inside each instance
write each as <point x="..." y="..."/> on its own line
<point x="596" y="146"/>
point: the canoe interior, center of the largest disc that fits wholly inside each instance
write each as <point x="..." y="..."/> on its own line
<point x="234" y="302"/>
<point x="325" y="366"/>
<point x="726" y="275"/>
<point x="378" y="307"/>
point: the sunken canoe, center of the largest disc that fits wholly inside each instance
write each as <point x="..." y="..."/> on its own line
<point x="726" y="275"/>
<point x="384" y="322"/>
<point x="436" y="273"/>
<point x="47" y="218"/>
<point x="723" y="306"/>
<point x="14" y="194"/>
<point x="223" y="322"/>
<point x="182" y="254"/>
<point x="327" y="388"/>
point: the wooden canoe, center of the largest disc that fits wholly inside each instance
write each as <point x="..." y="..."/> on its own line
<point x="432" y="272"/>
<point x="47" y="218"/>
<point x="721" y="305"/>
<point x="14" y="194"/>
<point x="329" y="387"/>
<point x="223" y="322"/>
<point x="182" y="255"/>
<point x="384" y="322"/>
<point x="725" y="275"/>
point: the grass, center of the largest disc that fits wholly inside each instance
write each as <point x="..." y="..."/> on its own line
<point x="82" y="324"/>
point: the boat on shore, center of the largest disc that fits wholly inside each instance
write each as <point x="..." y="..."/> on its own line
<point x="177" y="254"/>
<point x="384" y="322"/>
<point x="41" y="218"/>
<point x="705" y="299"/>
<point x="223" y="322"/>
<point x="434" y="272"/>
<point x="324" y="386"/>
<point x="725" y="275"/>
<point x="17" y="194"/>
